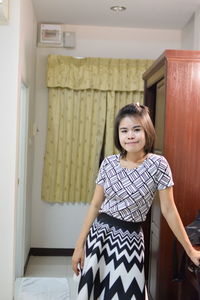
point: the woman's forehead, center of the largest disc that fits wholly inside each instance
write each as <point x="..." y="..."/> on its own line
<point x="130" y="121"/>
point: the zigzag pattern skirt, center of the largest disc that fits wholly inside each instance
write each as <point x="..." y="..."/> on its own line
<point x="114" y="261"/>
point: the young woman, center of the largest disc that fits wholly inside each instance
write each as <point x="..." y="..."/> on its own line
<point x="110" y="250"/>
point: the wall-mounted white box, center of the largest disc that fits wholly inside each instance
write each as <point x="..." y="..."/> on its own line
<point x="4" y="11"/>
<point x="51" y="34"/>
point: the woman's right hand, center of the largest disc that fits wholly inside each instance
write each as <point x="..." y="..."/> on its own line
<point x="78" y="260"/>
<point x="79" y="253"/>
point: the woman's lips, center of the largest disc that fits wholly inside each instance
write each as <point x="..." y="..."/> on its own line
<point x="132" y="143"/>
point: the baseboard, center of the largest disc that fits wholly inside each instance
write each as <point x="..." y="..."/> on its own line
<point x="51" y="251"/>
<point x="26" y="263"/>
<point x="48" y="252"/>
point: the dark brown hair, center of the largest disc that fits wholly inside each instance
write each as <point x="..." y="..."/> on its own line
<point x="140" y="112"/>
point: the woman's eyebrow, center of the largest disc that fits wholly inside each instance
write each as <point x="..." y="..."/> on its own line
<point x="136" y="126"/>
<point x="122" y="127"/>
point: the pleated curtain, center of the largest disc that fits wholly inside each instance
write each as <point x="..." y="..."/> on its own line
<point x="84" y="97"/>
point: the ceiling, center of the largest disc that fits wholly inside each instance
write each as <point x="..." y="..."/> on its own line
<point x="163" y="14"/>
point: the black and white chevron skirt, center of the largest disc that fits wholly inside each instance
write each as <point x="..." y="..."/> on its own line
<point x="114" y="261"/>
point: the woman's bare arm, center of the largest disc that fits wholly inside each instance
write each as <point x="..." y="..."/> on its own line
<point x="173" y="219"/>
<point x="78" y="256"/>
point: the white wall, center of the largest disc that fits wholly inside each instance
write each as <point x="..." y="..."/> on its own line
<point x="58" y="225"/>
<point x="190" y="38"/>
<point x="17" y="64"/>
<point x="197" y="30"/>
<point x="9" y="41"/>
<point x="122" y="42"/>
<point x="187" y="38"/>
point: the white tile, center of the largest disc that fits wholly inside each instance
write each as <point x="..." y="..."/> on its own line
<point x="53" y="266"/>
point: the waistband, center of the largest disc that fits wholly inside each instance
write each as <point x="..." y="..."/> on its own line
<point x="132" y="226"/>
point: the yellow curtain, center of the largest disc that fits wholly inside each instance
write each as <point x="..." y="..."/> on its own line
<point x="76" y="121"/>
<point x="105" y="74"/>
<point x="84" y="97"/>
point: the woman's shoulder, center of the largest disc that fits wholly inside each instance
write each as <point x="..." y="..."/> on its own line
<point x="114" y="158"/>
<point x="158" y="159"/>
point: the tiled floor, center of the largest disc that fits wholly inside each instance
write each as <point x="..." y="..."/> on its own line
<point x="53" y="266"/>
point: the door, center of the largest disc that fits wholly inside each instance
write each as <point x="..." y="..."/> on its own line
<point x="21" y="201"/>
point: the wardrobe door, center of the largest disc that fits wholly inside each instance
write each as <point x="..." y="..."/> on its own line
<point x="155" y="211"/>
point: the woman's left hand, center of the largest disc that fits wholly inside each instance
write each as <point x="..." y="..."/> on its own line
<point x="195" y="257"/>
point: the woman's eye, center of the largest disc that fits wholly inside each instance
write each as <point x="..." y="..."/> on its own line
<point x="137" y="129"/>
<point x="124" y="131"/>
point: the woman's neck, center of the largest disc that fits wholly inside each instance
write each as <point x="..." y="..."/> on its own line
<point x="133" y="160"/>
<point x="135" y="157"/>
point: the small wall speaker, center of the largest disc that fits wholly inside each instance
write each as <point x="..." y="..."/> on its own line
<point x="68" y="39"/>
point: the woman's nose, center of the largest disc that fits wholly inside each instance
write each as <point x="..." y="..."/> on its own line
<point x="130" y="135"/>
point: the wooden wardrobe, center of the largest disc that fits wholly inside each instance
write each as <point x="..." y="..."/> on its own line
<point x="172" y="93"/>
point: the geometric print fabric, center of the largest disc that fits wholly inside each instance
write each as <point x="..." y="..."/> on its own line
<point x="114" y="263"/>
<point x="129" y="193"/>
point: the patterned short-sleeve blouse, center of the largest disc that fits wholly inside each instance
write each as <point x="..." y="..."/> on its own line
<point x="129" y="193"/>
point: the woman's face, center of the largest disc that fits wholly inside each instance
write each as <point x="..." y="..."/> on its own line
<point x="131" y="135"/>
